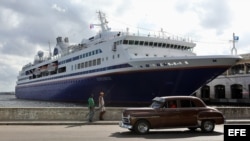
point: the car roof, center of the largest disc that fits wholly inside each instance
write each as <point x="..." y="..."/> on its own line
<point x="178" y="97"/>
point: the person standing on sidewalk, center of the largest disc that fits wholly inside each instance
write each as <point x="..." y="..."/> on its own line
<point x="91" y="106"/>
<point x="101" y="105"/>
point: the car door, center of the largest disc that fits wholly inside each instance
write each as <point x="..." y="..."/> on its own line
<point x="188" y="113"/>
<point x="169" y="117"/>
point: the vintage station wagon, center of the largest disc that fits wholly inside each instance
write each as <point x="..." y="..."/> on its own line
<point x="172" y="112"/>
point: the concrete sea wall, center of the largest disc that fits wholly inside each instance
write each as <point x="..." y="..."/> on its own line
<point x="81" y="114"/>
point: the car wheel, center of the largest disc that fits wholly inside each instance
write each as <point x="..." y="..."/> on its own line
<point x="141" y="127"/>
<point x="207" y="126"/>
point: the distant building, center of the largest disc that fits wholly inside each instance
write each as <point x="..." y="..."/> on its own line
<point x="232" y="87"/>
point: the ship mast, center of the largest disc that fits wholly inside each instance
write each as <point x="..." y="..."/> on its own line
<point x="104" y="22"/>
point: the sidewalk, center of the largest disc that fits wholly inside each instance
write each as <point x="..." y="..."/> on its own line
<point x="229" y="121"/>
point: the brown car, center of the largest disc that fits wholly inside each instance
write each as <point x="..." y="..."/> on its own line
<point x="172" y="112"/>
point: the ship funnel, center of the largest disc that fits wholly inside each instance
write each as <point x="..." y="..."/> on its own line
<point x="62" y="44"/>
<point x="66" y="40"/>
<point x="59" y="39"/>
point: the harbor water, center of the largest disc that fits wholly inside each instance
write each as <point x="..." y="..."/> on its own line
<point x="10" y="100"/>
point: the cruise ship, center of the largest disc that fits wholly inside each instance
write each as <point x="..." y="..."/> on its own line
<point x="129" y="68"/>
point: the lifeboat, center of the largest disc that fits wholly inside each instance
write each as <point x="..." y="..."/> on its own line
<point x="52" y="67"/>
<point x="37" y="71"/>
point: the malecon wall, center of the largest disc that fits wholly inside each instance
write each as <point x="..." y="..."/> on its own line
<point x="81" y="114"/>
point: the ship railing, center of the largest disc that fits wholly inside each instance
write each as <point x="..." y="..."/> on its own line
<point x="161" y="36"/>
<point x="156" y="34"/>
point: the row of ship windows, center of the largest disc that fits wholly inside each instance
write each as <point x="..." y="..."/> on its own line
<point x="86" y="64"/>
<point x="155" y="44"/>
<point x="91" y="63"/>
<point x="87" y="54"/>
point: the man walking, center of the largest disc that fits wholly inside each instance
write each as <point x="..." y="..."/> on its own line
<point x="101" y="105"/>
<point x="91" y="106"/>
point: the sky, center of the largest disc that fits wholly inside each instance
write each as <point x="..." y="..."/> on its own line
<point x="28" y="26"/>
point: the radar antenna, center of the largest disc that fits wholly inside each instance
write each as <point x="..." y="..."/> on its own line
<point x="234" y="50"/>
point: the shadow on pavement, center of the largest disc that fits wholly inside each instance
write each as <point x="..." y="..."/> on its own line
<point x="165" y="134"/>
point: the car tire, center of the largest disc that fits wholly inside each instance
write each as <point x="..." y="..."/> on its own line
<point x="141" y="127"/>
<point x="207" y="126"/>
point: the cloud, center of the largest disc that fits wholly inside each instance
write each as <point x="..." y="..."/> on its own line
<point x="212" y="14"/>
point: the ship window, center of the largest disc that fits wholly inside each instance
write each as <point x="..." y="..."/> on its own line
<point x="113" y="56"/>
<point x="135" y="54"/>
<point x="125" y="42"/>
<point x="90" y="63"/>
<point x="164" y="45"/>
<point x="63" y="69"/>
<point x="94" y="62"/>
<point x="141" y="43"/>
<point x="159" y="44"/>
<point x="93" y="52"/>
<point x="136" y="42"/>
<point x="86" y="64"/>
<point x="171" y="46"/>
<point x="168" y="45"/>
<point x="98" y="61"/>
<point x="82" y="65"/>
<point x="155" y="44"/>
<point x="175" y="46"/>
<point x="150" y="43"/>
<point x="147" y="55"/>
<point x="79" y="66"/>
<point x="83" y="55"/>
<point x="131" y="42"/>
<point x="68" y="60"/>
<point x="146" y="43"/>
<point x="118" y="55"/>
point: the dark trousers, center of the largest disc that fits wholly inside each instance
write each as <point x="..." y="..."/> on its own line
<point x="101" y="115"/>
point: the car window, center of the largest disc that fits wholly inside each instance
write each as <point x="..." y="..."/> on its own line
<point x="170" y="104"/>
<point x="156" y="104"/>
<point x="187" y="103"/>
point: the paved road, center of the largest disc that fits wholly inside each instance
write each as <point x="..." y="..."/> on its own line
<point x="100" y="132"/>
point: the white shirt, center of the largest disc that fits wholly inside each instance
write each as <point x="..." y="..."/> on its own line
<point x="101" y="103"/>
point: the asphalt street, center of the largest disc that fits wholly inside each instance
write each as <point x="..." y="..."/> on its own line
<point x="101" y="132"/>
